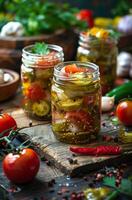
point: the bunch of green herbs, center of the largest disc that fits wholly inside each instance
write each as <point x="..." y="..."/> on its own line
<point x="41" y="16"/>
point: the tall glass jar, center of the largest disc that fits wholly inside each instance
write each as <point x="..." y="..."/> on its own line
<point x="98" y="46"/>
<point x="36" y="74"/>
<point x="75" y="99"/>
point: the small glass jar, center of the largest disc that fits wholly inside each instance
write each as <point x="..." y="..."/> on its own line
<point x="75" y="99"/>
<point x="101" y="51"/>
<point x="36" y="76"/>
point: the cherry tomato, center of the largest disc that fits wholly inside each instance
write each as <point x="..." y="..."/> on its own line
<point x="74" y="69"/>
<point x="79" y="117"/>
<point x="35" y="92"/>
<point x="87" y="16"/>
<point x="7" y="122"/>
<point x="124" y="112"/>
<point x="21" y="167"/>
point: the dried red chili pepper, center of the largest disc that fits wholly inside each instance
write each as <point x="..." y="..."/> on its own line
<point x="108" y="150"/>
<point x="100" y="150"/>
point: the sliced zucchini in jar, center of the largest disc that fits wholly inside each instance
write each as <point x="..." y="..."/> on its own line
<point x="43" y="73"/>
<point x="70" y="104"/>
<point x="41" y="108"/>
<point x="59" y="127"/>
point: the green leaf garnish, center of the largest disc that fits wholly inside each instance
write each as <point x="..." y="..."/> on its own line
<point x="40" y="48"/>
<point x="125" y="186"/>
<point x="41" y="16"/>
<point x="114" y="34"/>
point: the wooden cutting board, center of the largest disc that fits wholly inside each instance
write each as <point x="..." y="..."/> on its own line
<point x="59" y="154"/>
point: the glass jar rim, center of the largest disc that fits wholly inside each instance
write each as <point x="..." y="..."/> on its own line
<point x="58" y="67"/>
<point x="48" y="60"/>
<point x="87" y="38"/>
<point x="54" y="47"/>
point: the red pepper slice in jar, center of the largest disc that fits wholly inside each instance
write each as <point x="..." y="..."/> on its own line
<point x="35" y="92"/>
<point x="71" y="69"/>
<point x="79" y="118"/>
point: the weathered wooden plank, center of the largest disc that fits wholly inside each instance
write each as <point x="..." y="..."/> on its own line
<point x="59" y="152"/>
<point x="41" y="134"/>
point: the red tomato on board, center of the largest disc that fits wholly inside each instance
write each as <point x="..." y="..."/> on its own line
<point x="86" y="15"/>
<point x="124" y="112"/>
<point x="7" y="122"/>
<point x="35" y="92"/>
<point x="21" y="167"/>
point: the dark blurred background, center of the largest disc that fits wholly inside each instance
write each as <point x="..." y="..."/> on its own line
<point x="99" y="7"/>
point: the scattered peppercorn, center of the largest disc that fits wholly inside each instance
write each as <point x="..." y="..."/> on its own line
<point x="74" y="155"/>
<point x="72" y="161"/>
<point x="30" y="123"/>
<point x="59" y="192"/>
<point x="51" y="183"/>
<point x="43" y="158"/>
<point x="91" y="184"/>
<point x="99" y="177"/>
<point x="85" y="178"/>
<point x="104" y="124"/>
<point x="117" y="182"/>
<point x="111" y="114"/>
<point x="48" y="162"/>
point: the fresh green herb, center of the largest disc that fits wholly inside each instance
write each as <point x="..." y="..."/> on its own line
<point x="114" y="34"/>
<point x="125" y="186"/>
<point x="112" y="195"/>
<point x="42" y="16"/>
<point x="115" y="121"/>
<point x="40" y="48"/>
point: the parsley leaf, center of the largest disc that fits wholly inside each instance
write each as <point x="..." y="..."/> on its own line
<point x="114" y="34"/>
<point x="125" y="187"/>
<point x="40" y="48"/>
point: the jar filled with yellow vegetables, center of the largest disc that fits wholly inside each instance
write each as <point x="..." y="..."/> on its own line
<point x="38" y="61"/>
<point x="75" y="98"/>
<point x="99" y="46"/>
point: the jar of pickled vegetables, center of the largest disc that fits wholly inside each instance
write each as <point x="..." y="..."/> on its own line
<point x="38" y="61"/>
<point x="75" y="100"/>
<point x="100" y="47"/>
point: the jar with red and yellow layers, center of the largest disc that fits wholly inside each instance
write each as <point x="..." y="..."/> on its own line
<point x="99" y="46"/>
<point x="36" y="74"/>
<point x="76" y="102"/>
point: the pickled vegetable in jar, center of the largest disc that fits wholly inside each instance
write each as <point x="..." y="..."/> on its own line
<point x="38" y="61"/>
<point x="100" y="47"/>
<point x="75" y="100"/>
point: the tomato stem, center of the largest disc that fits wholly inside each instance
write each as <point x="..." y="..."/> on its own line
<point x="8" y="141"/>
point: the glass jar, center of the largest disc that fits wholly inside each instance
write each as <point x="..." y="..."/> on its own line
<point x="75" y="99"/>
<point x="36" y="74"/>
<point x="101" y="50"/>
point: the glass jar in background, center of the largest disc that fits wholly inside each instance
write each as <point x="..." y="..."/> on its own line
<point x="75" y="100"/>
<point x="36" y="74"/>
<point x="100" y="47"/>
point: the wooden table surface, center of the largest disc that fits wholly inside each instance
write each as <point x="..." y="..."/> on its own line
<point x="40" y="188"/>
